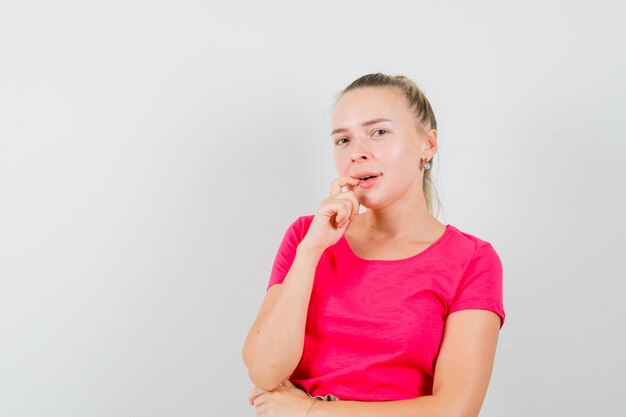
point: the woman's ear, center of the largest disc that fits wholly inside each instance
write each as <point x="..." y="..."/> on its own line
<point x="430" y="143"/>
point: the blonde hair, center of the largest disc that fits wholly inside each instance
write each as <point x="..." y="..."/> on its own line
<point x="424" y="119"/>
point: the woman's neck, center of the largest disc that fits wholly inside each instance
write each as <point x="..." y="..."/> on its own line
<point x="399" y="221"/>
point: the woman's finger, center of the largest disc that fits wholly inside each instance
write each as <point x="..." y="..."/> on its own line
<point x="256" y="391"/>
<point x="350" y="196"/>
<point x="339" y="183"/>
<point x="343" y="209"/>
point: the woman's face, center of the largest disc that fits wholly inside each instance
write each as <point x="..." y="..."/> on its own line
<point x="390" y="149"/>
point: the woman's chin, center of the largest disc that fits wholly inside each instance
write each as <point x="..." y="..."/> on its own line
<point x="370" y="203"/>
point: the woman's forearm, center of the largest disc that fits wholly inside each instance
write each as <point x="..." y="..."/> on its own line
<point x="426" y="406"/>
<point x="274" y="345"/>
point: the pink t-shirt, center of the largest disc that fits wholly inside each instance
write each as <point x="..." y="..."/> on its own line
<point x="374" y="327"/>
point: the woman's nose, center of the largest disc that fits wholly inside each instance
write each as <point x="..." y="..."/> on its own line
<point x="358" y="157"/>
<point x="359" y="152"/>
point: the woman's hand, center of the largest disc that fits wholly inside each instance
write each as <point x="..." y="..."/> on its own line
<point x="285" y="401"/>
<point x="333" y="215"/>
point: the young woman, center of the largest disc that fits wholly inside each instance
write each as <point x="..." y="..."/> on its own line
<point x="385" y="313"/>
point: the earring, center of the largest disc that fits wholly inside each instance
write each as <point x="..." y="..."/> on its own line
<point x="427" y="165"/>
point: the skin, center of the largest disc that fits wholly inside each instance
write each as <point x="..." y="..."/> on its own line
<point x="396" y="224"/>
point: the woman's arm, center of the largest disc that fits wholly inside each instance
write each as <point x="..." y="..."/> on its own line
<point x="462" y="375"/>
<point x="273" y="347"/>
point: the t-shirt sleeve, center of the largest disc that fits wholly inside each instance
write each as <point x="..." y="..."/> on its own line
<point x="286" y="252"/>
<point x="481" y="284"/>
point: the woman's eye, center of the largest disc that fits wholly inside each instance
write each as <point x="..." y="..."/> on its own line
<point x="380" y="130"/>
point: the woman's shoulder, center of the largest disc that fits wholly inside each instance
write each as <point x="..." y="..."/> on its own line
<point x="300" y="226"/>
<point x="303" y="220"/>
<point x="469" y="243"/>
<point x="307" y="218"/>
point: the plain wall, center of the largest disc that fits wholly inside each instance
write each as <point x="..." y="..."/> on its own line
<point x="152" y="155"/>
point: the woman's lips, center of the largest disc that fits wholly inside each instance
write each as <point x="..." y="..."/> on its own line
<point x="368" y="183"/>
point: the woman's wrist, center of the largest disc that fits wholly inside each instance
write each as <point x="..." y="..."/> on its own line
<point x="305" y="246"/>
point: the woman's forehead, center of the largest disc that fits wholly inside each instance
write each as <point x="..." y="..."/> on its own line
<point x="366" y="104"/>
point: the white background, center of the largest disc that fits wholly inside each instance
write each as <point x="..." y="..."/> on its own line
<point x="152" y="154"/>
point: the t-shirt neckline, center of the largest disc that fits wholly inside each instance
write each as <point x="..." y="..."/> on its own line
<point x="436" y="243"/>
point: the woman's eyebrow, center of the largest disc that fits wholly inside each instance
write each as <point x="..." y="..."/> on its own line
<point x="367" y="123"/>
